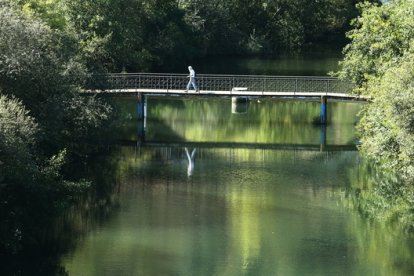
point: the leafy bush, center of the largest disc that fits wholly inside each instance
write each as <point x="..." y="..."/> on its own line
<point x="41" y="114"/>
<point x="379" y="60"/>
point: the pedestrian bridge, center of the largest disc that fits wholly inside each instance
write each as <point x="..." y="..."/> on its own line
<point x="222" y="85"/>
<point x="240" y="87"/>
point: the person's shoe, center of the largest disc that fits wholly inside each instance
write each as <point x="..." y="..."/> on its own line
<point x="198" y="91"/>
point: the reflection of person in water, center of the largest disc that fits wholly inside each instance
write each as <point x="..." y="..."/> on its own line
<point x="190" y="158"/>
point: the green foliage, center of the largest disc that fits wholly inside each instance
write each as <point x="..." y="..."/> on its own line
<point x="18" y="132"/>
<point x="76" y="117"/>
<point x="387" y="125"/>
<point x="39" y="66"/>
<point x="40" y="114"/>
<point x="50" y="11"/>
<point x="379" y="60"/>
<point x="31" y="187"/>
<point x="212" y="26"/>
<point x="131" y="34"/>
<point x="138" y="35"/>
<point x="35" y="62"/>
<point x="264" y="26"/>
<point x="322" y="19"/>
<point x="382" y="36"/>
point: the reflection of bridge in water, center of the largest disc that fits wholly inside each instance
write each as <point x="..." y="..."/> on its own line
<point x="166" y="148"/>
<point x="235" y="145"/>
<point x="185" y="150"/>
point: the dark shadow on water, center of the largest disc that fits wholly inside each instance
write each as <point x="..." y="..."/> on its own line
<point x="35" y="232"/>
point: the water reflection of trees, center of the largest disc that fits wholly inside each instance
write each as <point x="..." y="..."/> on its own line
<point x="381" y="195"/>
<point x="47" y="233"/>
<point x="221" y="221"/>
<point x="271" y="121"/>
<point x="386" y="208"/>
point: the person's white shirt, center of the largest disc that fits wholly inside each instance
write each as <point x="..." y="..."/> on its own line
<point x="192" y="72"/>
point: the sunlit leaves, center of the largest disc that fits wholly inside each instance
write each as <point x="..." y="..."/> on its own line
<point x="35" y="61"/>
<point x="18" y="135"/>
<point x="40" y="66"/>
<point x="380" y="60"/>
<point x="131" y="35"/>
<point x="388" y="122"/>
<point x="381" y="37"/>
<point x="50" y="11"/>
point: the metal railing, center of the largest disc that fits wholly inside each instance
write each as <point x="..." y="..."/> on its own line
<point x="258" y="83"/>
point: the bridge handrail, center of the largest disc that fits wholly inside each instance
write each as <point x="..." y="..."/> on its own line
<point x="215" y="75"/>
<point x="216" y="82"/>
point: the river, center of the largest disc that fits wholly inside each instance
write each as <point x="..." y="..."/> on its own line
<point x="203" y="190"/>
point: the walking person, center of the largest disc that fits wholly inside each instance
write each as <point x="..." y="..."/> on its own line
<point x="192" y="81"/>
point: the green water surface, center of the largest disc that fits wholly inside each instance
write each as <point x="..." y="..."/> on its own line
<point x="222" y="193"/>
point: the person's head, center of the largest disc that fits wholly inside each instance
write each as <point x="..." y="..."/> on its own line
<point x="190" y="68"/>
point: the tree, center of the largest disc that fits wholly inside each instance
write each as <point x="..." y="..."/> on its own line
<point x="31" y="186"/>
<point x="40" y="114"/>
<point x="263" y="26"/>
<point x="380" y="39"/>
<point x="133" y="34"/>
<point x="379" y="60"/>
<point x="137" y="35"/>
<point x="18" y="138"/>
<point x="35" y="61"/>
<point x="387" y="124"/>
<point x="213" y="29"/>
<point x="40" y="67"/>
<point x="51" y="12"/>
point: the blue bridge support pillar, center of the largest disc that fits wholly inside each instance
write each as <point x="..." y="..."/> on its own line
<point x="324" y="110"/>
<point x="141" y="115"/>
<point x="141" y="106"/>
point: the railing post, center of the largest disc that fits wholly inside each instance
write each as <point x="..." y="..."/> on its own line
<point x="328" y="85"/>
<point x="263" y="85"/>
<point x="296" y="87"/>
<point x="139" y="81"/>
